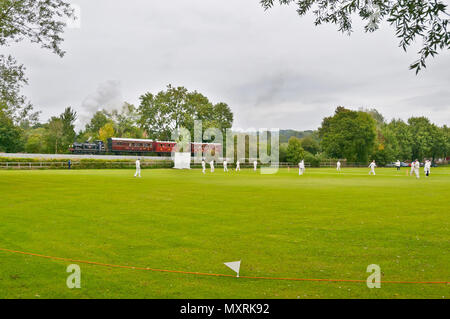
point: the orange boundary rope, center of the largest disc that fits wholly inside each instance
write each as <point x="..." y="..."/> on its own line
<point x="209" y="274"/>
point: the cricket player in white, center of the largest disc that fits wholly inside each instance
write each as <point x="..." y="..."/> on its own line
<point x="138" y="168"/>
<point x="301" y="168"/>
<point x="417" y="168"/>
<point x="225" y="166"/>
<point x="372" y="168"/>
<point x="338" y="166"/>
<point x="211" y="164"/>
<point x="255" y="165"/>
<point x="427" y="168"/>
<point x="397" y="164"/>
<point x="238" y="166"/>
<point x="203" y="167"/>
<point x="412" y="168"/>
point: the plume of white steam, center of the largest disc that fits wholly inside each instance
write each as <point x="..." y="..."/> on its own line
<point x="108" y="96"/>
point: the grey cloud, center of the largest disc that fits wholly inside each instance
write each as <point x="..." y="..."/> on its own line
<point x="273" y="68"/>
<point x="108" y="96"/>
<point x="435" y="101"/>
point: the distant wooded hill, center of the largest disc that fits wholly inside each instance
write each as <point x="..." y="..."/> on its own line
<point x="286" y="134"/>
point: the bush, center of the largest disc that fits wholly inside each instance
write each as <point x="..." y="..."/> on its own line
<point x="89" y="163"/>
<point x="313" y="160"/>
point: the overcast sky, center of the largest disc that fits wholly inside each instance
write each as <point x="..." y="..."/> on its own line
<point x="274" y="68"/>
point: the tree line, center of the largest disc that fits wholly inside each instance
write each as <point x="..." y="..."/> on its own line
<point x="363" y="135"/>
<point x="155" y="118"/>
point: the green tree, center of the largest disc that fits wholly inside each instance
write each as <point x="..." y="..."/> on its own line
<point x="348" y="134"/>
<point x="283" y="152"/>
<point x="40" y="22"/>
<point x="106" y="132"/>
<point x="98" y="120"/>
<point x="221" y="117"/>
<point x="310" y="144"/>
<point x="295" y="152"/>
<point x="313" y="160"/>
<point x="125" y="122"/>
<point x="12" y="78"/>
<point x="439" y="144"/>
<point x="425" y="19"/>
<point x="377" y="116"/>
<point x="400" y="139"/>
<point x="383" y="151"/>
<point x="421" y="137"/>
<point x="14" y="104"/>
<point x="68" y="118"/>
<point x="446" y="133"/>
<point x="36" y="141"/>
<point x="11" y="140"/>
<point x="55" y="134"/>
<point x="176" y="107"/>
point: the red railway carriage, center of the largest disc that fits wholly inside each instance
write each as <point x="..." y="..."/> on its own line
<point x="130" y="145"/>
<point x="197" y="147"/>
<point x="134" y="145"/>
<point x="206" y="147"/>
<point x="164" y="147"/>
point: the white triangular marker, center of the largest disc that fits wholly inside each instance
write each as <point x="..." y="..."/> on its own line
<point x="235" y="265"/>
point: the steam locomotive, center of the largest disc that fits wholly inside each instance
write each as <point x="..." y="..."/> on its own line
<point x="96" y="147"/>
<point x="133" y="146"/>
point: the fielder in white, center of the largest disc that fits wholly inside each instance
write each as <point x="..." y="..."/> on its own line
<point x="301" y="167"/>
<point x="397" y="165"/>
<point x="417" y="168"/>
<point x="138" y="168"/>
<point x="238" y="166"/>
<point x="338" y="166"/>
<point x="412" y="168"/>
<point x="427" y="168"/>
<point x="372" y="168"/>
<point x="211" y="164"/>
<point x="255" y="165"/>
<point x="225" y="166"/>
<point x="203" y="167"/>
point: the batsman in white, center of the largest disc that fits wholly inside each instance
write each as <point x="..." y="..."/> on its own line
<point x="255" y="165"/>
<point x="225" y="166"/>
<point x="412" y="169"/>
<point x="203" y="166"/>
<point x="417" y="168"/>
<point x="338" y="166"/>
<point x="138" y="168"/>
<point x="301" y="167"/>
<point x="238" y="166"/>
<point x="211" y="164"/>
<point x="372" y="168"/>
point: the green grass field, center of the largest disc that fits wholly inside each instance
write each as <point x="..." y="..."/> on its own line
<point x="320" y="225"/>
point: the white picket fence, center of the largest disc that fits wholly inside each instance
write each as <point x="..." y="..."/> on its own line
<point x="149" y="164"/>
